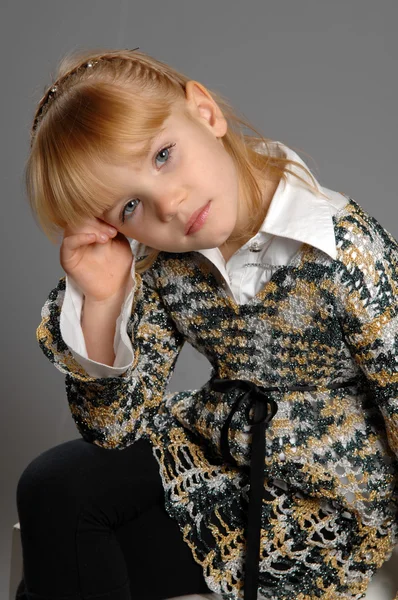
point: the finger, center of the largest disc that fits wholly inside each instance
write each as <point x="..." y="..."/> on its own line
<point x="73" y="242"/>
<point x="104" y="225"/>
<point x="91" y="226"/>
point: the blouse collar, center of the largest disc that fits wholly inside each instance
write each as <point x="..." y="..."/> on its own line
<point x="297" y="212"/>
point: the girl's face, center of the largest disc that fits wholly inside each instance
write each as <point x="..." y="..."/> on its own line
<point x="186" y="169"/>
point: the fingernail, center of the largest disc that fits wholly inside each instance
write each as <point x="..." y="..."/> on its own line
<point x="112" y="230"/>
<point x="103" y="236"/>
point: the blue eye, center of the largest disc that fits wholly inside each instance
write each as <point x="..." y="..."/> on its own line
<point x="126" y="206"/>
<point x="169" y="152"/>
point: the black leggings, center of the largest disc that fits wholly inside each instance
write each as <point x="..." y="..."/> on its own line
<point x="93" y="526"/>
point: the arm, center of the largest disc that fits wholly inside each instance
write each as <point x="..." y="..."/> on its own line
<point x="367" y="293"/>
<point x="114" y="411"/>
<point x="72" y="332"/>
<point x="98" y="323"/>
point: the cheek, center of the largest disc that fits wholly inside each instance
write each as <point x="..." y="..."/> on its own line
<point x="227" y="175"/>
<point x="217" y="169"/>
<point x="132" y="225"/>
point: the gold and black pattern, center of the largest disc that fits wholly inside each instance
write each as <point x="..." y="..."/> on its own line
<point x="114" y="412"/>
<point x="330" y="502"/>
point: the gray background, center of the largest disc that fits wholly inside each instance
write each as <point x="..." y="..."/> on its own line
<point x="316" y="75"/>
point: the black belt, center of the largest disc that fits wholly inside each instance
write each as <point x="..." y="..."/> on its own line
<point x="264" y="410"/>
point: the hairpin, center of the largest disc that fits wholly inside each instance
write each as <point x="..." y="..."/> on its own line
<point x="53" y="89"/>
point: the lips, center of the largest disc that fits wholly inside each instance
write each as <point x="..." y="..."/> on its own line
<point x="194" y="216"/>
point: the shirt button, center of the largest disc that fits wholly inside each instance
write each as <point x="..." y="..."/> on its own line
<point x="254" y="247"/>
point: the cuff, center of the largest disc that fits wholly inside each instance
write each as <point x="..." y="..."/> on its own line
<point x="72" y="333"/>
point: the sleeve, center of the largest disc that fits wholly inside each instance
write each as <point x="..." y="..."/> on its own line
<point x="72" y="333"/>
<point x="367" y="295"/>
<point x="115" y="411"/>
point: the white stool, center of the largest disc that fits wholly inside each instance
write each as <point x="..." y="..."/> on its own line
<point x="383" y="586"/>
<point x="16" y="571"/>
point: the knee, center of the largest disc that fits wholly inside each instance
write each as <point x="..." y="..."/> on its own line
<point x="48" y="476"/>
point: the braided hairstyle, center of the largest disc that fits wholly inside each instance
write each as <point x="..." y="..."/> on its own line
<point x="100" y="103"/>
<point x="76" y="69"/>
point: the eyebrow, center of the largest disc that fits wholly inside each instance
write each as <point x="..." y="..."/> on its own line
<point x="114" y="207"/>
<point x="147" y="149"/>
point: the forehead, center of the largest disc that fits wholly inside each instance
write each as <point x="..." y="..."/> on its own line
<point x="175" y="124"/>
<point x="137" y="154"/>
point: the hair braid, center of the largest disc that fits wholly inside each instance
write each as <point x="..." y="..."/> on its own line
<point x="45" y="101"/>
<point x="154" y="71"/>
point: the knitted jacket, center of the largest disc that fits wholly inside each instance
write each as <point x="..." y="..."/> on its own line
<point x="330" y="503"/>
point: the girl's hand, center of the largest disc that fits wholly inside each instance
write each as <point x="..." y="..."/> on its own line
<point x="100" y="267"/>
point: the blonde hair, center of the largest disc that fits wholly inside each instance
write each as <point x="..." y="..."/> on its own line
<point x="101" y="102"/>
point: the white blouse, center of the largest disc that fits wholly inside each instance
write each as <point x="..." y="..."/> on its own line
<point x="295" y="215"/>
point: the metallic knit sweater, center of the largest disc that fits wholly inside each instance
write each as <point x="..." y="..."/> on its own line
<point x="330" y="501"/>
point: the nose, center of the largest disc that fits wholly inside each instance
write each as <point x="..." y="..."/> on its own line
<point x="167" y="206"/>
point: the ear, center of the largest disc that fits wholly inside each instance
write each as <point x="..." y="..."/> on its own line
<point x="205" y="109"/>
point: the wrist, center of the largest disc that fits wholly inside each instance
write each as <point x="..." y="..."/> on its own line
<point x="113" y="300"/>
<point x="108" y="307"/>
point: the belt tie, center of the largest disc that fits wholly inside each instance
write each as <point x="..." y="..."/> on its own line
<point x="265" y="408"/>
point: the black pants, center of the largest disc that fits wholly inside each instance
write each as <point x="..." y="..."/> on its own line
<point x="93" y="526"/>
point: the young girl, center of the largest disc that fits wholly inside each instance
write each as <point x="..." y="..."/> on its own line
<point x="278" y="476"/>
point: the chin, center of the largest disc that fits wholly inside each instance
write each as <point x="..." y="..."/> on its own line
<point x="210" y="241"/>
<point x="222" y="239"/>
